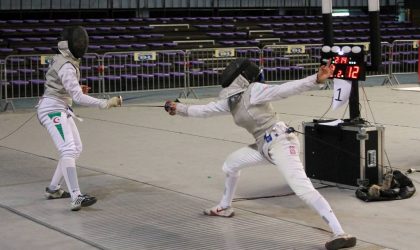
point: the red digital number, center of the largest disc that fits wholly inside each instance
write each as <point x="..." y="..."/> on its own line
<point x="336" y="60"/>
<point x="340" y="73"/>
<point x="344" y="60"/>
<point x="353" y="72"/>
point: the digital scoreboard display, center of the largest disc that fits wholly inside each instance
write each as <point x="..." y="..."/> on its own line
<point x="348" y="62"/>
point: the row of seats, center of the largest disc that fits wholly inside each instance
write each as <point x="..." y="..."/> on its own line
<point x="109" y="34"/>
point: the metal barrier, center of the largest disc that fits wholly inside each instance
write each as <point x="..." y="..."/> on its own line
<point x="22" y="76"/>
<point x="25" y="74"/>
<point x="143" y="71"/>
<point x="290" y="62"/>
<point x="404" y="57"/>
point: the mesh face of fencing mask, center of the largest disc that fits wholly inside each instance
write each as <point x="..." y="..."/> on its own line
<point x="240" y="66"/>
<point x="77" y="39"/>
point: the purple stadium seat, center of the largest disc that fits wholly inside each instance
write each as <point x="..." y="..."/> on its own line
<point x="228" y="34"/>
<point x="148" y="65"/>
<point x="26" y="71"/>
<point x="127" y="76"/>
<point x="116" y="66"/>
<point x="132" y="66"/>
<point x="90" y="29"/>
<point x="47" y="21"/>
<point x="93" y="79"/>
<point x="164" y="64"/>
<point x="155" y="44"/>
<point x="124" y="46"/>
<point x="6" y="50"/>
<point x="210" y="72"/>
<point x="170" y="44"/>
<point x="111" y="77"/>
<point x="108" y="46"/>
<point x="201" y="26"/>
<point x="56" y="29"/>
<point x="113" y="37"/>
<point x="148" y="28"/>
<point x="118" y="28"/>
<point x="145" y="76"/>
<point x="214" y="34"/>
<point x="122" y="19"/>
<point x="241" y="42"/>
<point x="63" y="20"/>
<point x="94" y="47"/>
<point x="197" y="73"/>
<point x="104" y="28"/>
<point x="139" y="45"/>
<point x="162" y="75"/>
<point x="8" y="31"/>
<point x="19" y="82"/>
<point x="17" y="60"/>
<point x="177" y="74"/>
<point x="37" y="81"/>
<point x="227" y="42"/>
<point x="108" y="20"/>
<point x="97" y="37"/>
<point x="31" y="21"/>
<point x="42" y="30"/>
<point x="228" y="26"/>
<point x="127" y="37"/>
<point x="196" y="63"/>
<point x="43" y="49"/>
<point x="23" y="50"/>
<point x="134" y="28"/>
<point x="15" y="21"/>
<point x="49" y="39"/>
<point x="215" y="26"/>
<point x="92" y="20"/>
<point x="143" y="36"/>
<point x="33" y="39"/>
<point x="15" y="39"/>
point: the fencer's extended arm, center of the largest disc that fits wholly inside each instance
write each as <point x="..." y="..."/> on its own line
<point x="68" y="76"/>
<point x="262" y="93"/>
<point x="219" y="107"/>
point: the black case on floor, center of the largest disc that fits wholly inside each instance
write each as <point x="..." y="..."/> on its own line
<point x="345" y="155"/>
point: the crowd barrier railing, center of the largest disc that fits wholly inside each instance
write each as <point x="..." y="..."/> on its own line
<point x="23" y="76"/>
<point x="290" y="62"/>
<point x="405" y="58"/>
<point x="143" y="71"/>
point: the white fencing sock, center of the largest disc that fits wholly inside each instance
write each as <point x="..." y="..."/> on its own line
<point x="319" y="204"/>
<point x="231" y="182"/>
<point x="57" y="178"/>
<point x="68" y="168"/>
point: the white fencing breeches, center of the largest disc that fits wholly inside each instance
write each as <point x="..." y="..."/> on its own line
<point x="283" y="151"/>
<point x="66" y="138"/>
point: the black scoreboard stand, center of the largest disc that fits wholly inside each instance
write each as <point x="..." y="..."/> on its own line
<point x="351" y="153"/>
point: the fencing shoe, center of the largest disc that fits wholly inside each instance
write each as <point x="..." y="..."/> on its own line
<point x="56" y="194"/>
<point x="82" y="200"/>
<point x="219" y="211"/>
<point x="341" y="241"/>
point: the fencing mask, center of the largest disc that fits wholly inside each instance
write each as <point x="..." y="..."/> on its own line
<point x="77" y="39"/>
<point x="240" y="66"/>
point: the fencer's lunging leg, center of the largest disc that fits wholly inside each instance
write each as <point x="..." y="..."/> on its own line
<point x="285" y="154"/>
<point x="242" y="158"/>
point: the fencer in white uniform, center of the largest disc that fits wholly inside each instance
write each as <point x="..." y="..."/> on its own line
<point x="55" y="114"/>
<point x="248" y="101"/>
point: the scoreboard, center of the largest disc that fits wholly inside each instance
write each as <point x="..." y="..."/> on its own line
<point x="348" y="62"/>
